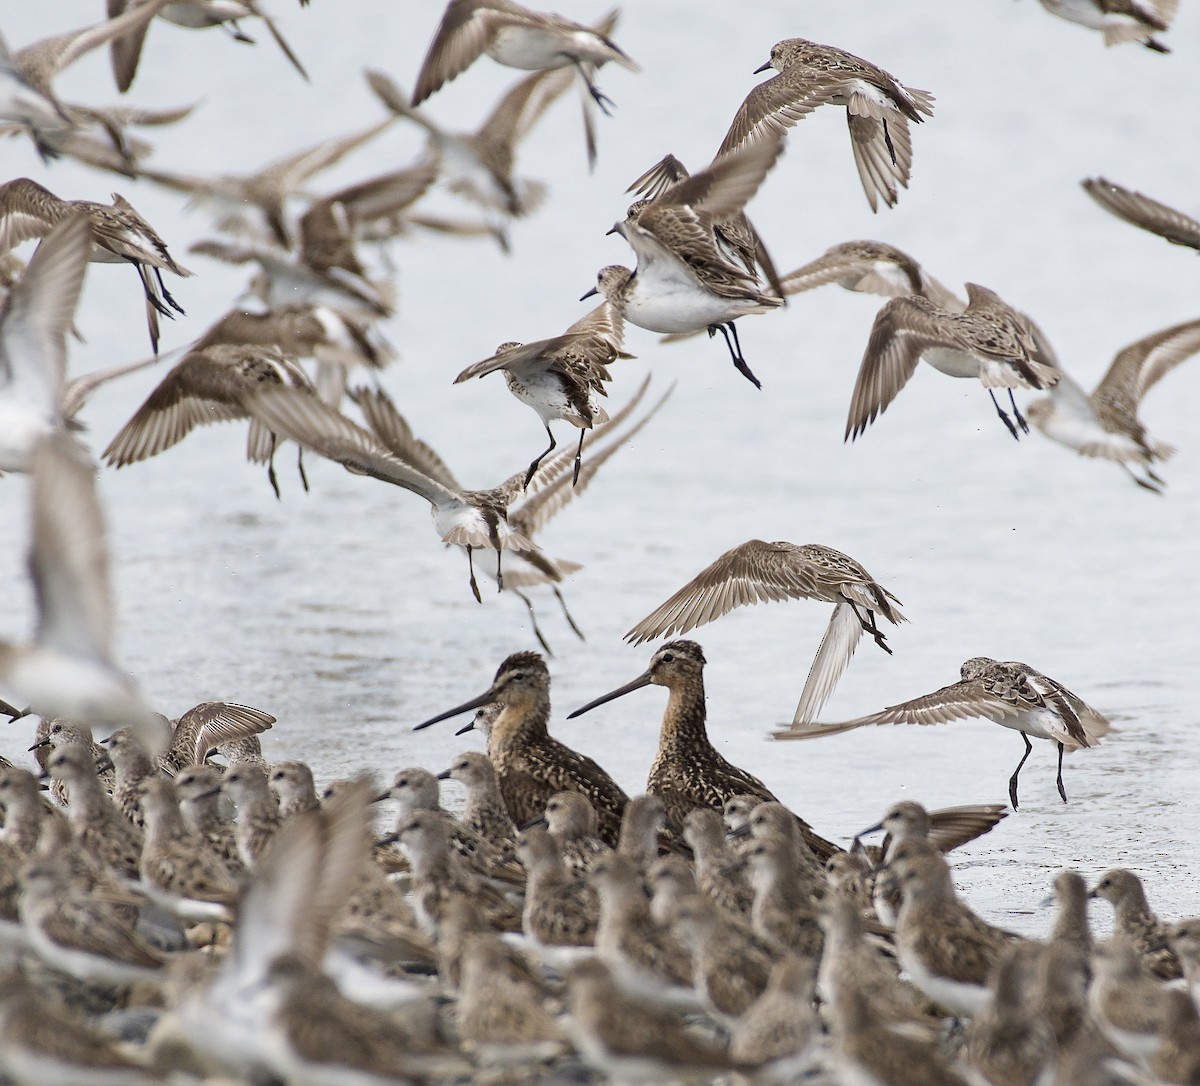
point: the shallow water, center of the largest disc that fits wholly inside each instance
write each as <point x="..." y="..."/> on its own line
<point x="339" y="611"/>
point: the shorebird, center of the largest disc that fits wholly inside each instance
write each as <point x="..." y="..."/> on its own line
<point x="758" y="572"/>
<point x="24" y="104"/>
<point x="198" y="788"/>
<point x="1009" y="693"/>
<point x="1127" y="1001"/>
<point x="684" y="281"/>
<point x="125" y="52"/>
<point x="531" y="765"/>
<point x="988" y="340"/>
<point x="68" y="669"/>
<point x="780" y="1032"/>
<point x="134" y="767"/>
<point x="1141" y="211"/>
<point x="210" y="724"/>
<point x="870" y="267"/>
<point x="471" y="518"/>
<point x="574" y="827"/>
<point x="561" y="909"/>
<point x="878" y="109"/>
<point x="1105" y="424"/>
<point x="484" y="810"/>
<point x="293" y="785"/>
<point x="33" y="341"/>
<point x="519" y="38"/>
<point x="560" y="378"/>
<point x="211" y="385"/>
<point x="1136" y="922"/>
<point x="1119" y="20"/>
<point x="687" y="771"/>
<point x="119" y="235"/>
<point x="1008" y="1041"/>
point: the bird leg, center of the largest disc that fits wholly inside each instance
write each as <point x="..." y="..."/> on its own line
<point x="1153" y="483"/>
<point x="236" y="32"/>
<point x="271" y="477"/>
<point x="167" y="294"/>
<point x="606" y="104"/>
<point x="578" y="457"/>
<point x="567" y="614"/>
<point x="300" y="467"/>
<point x="533" y="621"/>
<point x="739" y="363"/>
<point x="1012" y="781"/>
<point x="474" y="583"/>
<point x="887" y="139"/>
<point x="1061" y="790"/>
<point x="1017" y="412"/>
<point x="1004" y="417"/>
<point x="540" y="457"/>
<point x="870" y="626"/>
<point x="499" y="572"/>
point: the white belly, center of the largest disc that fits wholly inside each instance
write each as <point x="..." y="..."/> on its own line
<point x="952" y="362"/>
<point x="20" y="430"/>
<point x="956" y="996"/>
<point x="675" y="305"/>
<point x="529" y="48"/>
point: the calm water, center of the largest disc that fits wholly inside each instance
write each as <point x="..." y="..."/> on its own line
<point x="340" y="612"/>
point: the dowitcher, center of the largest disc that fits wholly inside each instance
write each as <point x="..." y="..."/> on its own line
<point x="684" y="281"/>
<point x="687" y="771"/>
<point x="1009" y="693"/>
<point x="758" y="572"/>
<point x="1105" y="424"/>
<point x="69" y="670"/>
<point x="988" y="340"/>
<point x="33" y="341"/>
<point x="530" y="764"/>
<point x="561" y="378"/>
<point x="1141" y="211"/>
<point x="207" y="386"/>
<point x="1119" y="20"/>
<point x="119" y="236"/>
<point x="517" y="37"/>
<point x="878" y="109"/>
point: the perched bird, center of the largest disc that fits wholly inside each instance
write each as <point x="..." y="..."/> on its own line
<point x="684" y="280"/>
<point x="561" y="378"/>
<point x="757" y="572"/>
<point x="68" y="670"/>
<point x="119" y="236"/>
<point x="530" y="764"/>
<point x="687" y="771"/>
<point x="33" y="341"/>
<point x="1105" y="424"/>
<point x="1139" y="210"/>
<point x="1119" y="20"/>
<point x="988" y="340"/>
<point x="516" y="37"/>
<point x="207" y="386"/>
<point x="1010" y="693"/>
<point x="878" y="109"/>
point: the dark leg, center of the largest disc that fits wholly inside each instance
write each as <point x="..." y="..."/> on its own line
<point x="578" y="457"/>
<point x="1017" y="413"/>
<point x="1061" y="790"/>
<point x="887" y="139"/>
<point x="167" y="295"/>
<point x="1012" y="781"/>
<point x="474" y="583"/>
<point x="739" y="363"/>
<point x="606" y="104"/>
<point x="567" y="614"/>
<point x="499" y="573"/>
<point x="300" y="467"/>
<point x="237" y="33"/>
<point x="540" y="457"/>
<point x="869" y="626"/>
<point x="1153" y="483"/>
<point x="271" y="469"/>
<point x="533" y="621"/>
<point x="1003" y="417"/>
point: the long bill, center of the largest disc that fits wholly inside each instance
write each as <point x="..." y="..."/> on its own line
<point x="474" y="703"/>
<point x="643" y="679"/>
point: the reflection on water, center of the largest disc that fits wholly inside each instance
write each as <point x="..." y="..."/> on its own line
<point x="338" y="611"/>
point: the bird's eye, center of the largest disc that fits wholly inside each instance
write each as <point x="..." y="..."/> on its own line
<point x="668" y="657"/>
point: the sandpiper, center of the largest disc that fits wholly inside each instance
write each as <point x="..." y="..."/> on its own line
<point x="207" y="386"/>
<point x="1127" y="1000"/>
<point x="198" y="788"/>
<point x="530" y="764"/>
<point x="1183" y="937"/>
<point x="1105" y="424"/>
<point x="33" y="341"/>
<point x="293" y="785"/>
<point x="1178" y="1055"/>
<point x="257" y="812"/>
<point x="134" y="767"/>
<point x="1119" y="20"/>
<point x="484" y="810"/>
<point x="572" y="822"/>
<point x="780" y="1032"/>
<point x="1009" y="1041"/>
<point x="470" y="518"/>
<point x="687" y="771"/>
<point x="560" y="908"/>
<point x="1141" y="211"/>
<point x="1009" y="693"/>
<point x="784" y="912"/>
<point x="988" y="340"/>
<point x="721" y="871"/>
<point x="757" y="572"/>
<point x="206" y="726"/>
<point x="1136" y="922"/>
<point x="560" y="378"/>
<point x="684" y="282"/>
<point x="24" y="104"/>
<point x="119" y="236"/>
<point x="517" y="37"/>
<point x="878" y="109"/>
<point x="871" y="267"/>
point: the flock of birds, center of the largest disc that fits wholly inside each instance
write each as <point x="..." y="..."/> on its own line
<point x="555" y="928"/>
